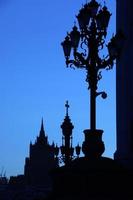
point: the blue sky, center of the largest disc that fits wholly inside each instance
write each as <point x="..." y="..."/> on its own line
<point x="35" y="83"/>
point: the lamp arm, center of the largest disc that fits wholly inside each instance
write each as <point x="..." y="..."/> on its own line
<point x="106" y="64"/>
<point x="73" y="64"/>
<point x="79" y="57"/>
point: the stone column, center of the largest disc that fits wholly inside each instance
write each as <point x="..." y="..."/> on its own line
<point x="124" y="85"/>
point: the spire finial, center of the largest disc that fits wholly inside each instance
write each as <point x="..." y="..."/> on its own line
<point x="42" y="127"/>
<point x="67" y="107"/>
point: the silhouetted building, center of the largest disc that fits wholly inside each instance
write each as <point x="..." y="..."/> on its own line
<point x="124" y="83"/>
<point x="40" y="162"/>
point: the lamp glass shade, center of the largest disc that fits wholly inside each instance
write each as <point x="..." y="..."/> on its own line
<point x="66" y="44"/>
<point x="75" y="37"/>
<point x="93" y="7"/>
<point x="99" y="20"/>
<point x="120" y="39"/>
<point x="83" y="18"/>
<point x="116" y="44"/>
<point x="112" y="49"/>
<point x="103" y="18"/>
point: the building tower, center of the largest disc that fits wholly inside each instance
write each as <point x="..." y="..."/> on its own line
<point x="124" y="88"/>
<point x="40" y="162"/>
<point x="66" y="149"/>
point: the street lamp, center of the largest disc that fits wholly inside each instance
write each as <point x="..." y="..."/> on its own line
<point x="90" y="38"/>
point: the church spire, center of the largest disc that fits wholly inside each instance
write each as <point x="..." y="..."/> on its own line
<point x="42" y="132"/>
<point x="42" y="127"/>
<point x="42" y="137"/>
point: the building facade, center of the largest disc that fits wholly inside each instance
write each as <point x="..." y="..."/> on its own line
<point x="40" y="162"/>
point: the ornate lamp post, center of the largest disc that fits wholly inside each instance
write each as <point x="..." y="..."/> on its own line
<point x="85" y="45"/>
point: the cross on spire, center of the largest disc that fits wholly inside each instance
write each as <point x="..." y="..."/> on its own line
<point x="67" y="107"/>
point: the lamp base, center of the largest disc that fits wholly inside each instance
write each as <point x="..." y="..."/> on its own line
<point x="93" y="146"/>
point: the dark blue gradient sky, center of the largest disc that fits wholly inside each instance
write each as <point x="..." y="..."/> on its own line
<point x="35" y="83"/>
